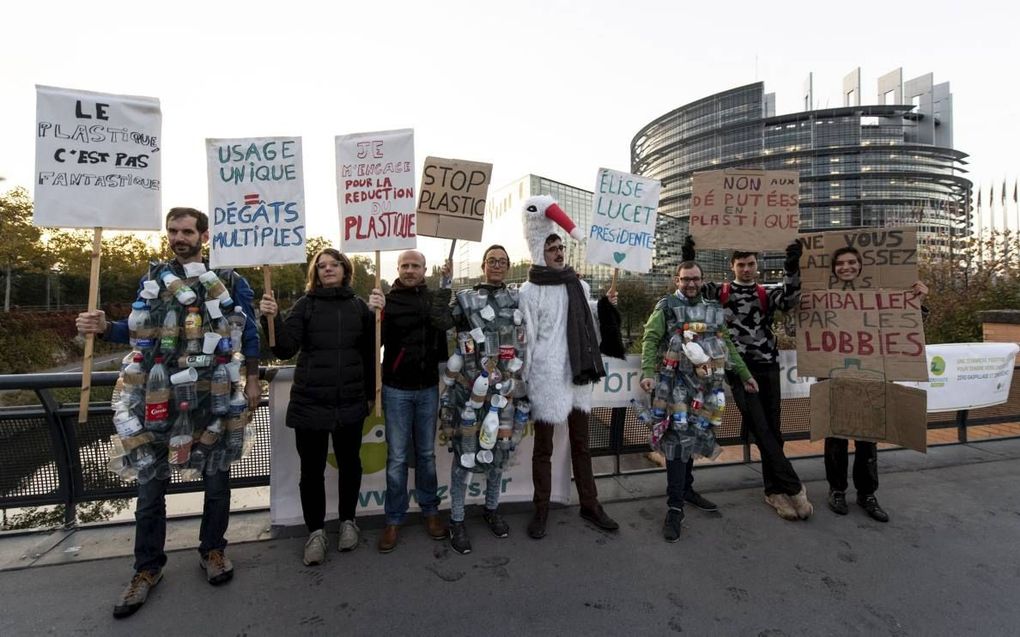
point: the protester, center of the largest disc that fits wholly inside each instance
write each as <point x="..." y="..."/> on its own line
<point x="334" y="382"/>
<point x="685" y="316"/>
<point x="187" y="231"/>
<point x="563" y="359"/>
<point x="414" y="343"/>
<point x="750" y="313"/>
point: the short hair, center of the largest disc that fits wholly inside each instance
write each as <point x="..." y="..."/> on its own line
<point x="494" y="246"/>
<point x="738" y="254"/>
<point x="551" y="238"/>
<point x="313" y="272"/>
<point x="686" y="265"/>
<point x="845" y="250"/>
<point x="201" y="219"/>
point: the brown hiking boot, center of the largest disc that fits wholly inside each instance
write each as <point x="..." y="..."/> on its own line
<point x="781" y="503"/>
<point x="388" y="539"/>
<point x="435" y="527"/>
<point x="136" y="592"/>
<point x="217" y="566"/>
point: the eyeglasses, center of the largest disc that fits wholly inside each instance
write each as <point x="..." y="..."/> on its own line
<point x="559" y="248"/>
<point x="497" y="263"/>
<point x="690" y="279"/>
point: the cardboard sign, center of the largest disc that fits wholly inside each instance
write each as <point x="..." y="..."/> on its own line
<point x="871" y="410"/>
<point x="452" y="202"/>
<point x="750" y="210"/>
<point x="375" y="190"/>
<point x="97" y="160"/>
<point x="622" y="229"/>
<point x="876" y="334"/>
<point x="256" y="201"/>
<point x="887" y="257"/>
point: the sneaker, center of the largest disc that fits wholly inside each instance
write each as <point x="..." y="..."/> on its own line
<point x="496" y="523"/>
<point x="781" y="503"/>
<point x="870" y="505"/>
<point x="435" y="527"/>
<point x="599" y="518"/>
<point x="388" y="539"/>
<point x="671" y="527"/>
<point x="801" y="504"/>
<point x="350" y="536"/>
<point x="700" y="501"/>
<point x="536" y="528"/>
<point x="136" y="592"/>
<point x="315" y="548"/>
<point x="459" y="538"/>
<point x="217" y="566"/>
<point x="837" y="502"/>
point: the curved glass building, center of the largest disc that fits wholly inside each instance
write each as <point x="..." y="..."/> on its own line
<point x="886" y="164"/>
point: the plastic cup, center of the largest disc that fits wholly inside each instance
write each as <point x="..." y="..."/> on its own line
<point x="194" y="269"/>
<point x="212" y="339"/>
<point x="213" y="307"/>
<point x="188" y="375"/>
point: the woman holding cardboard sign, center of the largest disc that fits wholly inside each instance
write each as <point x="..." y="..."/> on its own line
<point x="333" y="329"/>
<point x="846" y="267"/>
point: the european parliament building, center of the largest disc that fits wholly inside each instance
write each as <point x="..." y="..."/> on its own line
<point x="886" y="164"/>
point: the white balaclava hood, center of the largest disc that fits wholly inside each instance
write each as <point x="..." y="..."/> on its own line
<point x="542" y="217"/>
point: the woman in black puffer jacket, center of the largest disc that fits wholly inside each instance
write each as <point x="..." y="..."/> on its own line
<point x="333" y="383"/>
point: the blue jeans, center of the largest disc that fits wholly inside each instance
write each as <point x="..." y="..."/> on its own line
<point x="150" y="518"/>
<point x="410" y="416"/>
<point x="459" y="479"/>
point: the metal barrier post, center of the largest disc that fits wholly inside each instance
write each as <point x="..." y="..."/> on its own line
<point x="961" y="425"/>
<point x="62" y="450"/>
<point x="616" y="424"/>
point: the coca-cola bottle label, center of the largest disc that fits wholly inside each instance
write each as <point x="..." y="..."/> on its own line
<point x="157" y="412"/>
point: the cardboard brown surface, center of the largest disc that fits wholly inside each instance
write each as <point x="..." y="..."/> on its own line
<point x="888" y="259"/>
<point x="452" y="197"/>
<point x="876" y="411"/>
<point x="875" y="334"/>
<point x="745" y="209"/>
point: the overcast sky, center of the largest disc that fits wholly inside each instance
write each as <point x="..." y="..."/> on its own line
<point x="547" y="87"/>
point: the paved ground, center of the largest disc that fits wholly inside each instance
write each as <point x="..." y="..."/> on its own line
<point x="947" y="564"/>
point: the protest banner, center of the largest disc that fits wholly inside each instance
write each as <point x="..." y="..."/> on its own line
<point x="872" y="410"/>
<point x="740" y="209"/>
<point x="874" y="334"/>
<point x="97" y="166"/>
<point x="887" y="257"/>
<point x="452" y="200"/>
<point x="375" y="190"/>
<point x="968" y="375"/>
<point x="622" y="229"/>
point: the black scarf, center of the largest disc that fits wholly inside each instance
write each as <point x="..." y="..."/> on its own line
<point x="582" y="343"/>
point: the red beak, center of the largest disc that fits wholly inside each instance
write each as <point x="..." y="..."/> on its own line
<point x="555" y="213"/>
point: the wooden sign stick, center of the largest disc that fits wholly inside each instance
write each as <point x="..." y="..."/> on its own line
<point x="612" y="285"/>
<point x="90" y="339"/>
<point x="267" y="286"/>
<point x="378" y="344"/>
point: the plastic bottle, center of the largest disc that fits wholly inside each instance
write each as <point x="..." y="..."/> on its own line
<point x="237" y="322"/>
<point x="200" y="452"/>
<point x="157" y="397"/>
<point x="181" y="290"/>
<point x="453" y="366"/>
<point x="235" y="425"/>
<point x="193" y="330"/>
<point x="219" y="388"/>
<point x="169" y="332"/>
<point x="222" y="327"/>
<point x="133" y="391"/>
<point x="215" y="288"/>
<point x="479" y="390"/>
<point x="126" y="423"/>
<point x="490" y="424"/>
<point x="663" y="392"/>
<point x="469" y="438"/>
<point x="181" y="433"/>
<point x="140" y="329"/>
<point x="644" y="414"/>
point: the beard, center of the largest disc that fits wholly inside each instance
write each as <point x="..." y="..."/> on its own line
<point x="186" y="250"/>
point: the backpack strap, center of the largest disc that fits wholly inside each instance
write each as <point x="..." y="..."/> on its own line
<point x="724" y="294"/>
<point x="763" y="299"/>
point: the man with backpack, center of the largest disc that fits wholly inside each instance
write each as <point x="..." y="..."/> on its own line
<point x="750" y="311"/>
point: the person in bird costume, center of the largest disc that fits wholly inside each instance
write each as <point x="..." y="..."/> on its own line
<point x="563" y="357"/>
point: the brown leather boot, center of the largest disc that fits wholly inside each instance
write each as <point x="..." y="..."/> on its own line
<point x="435" y="527"/>
<point x="388" y="539"/>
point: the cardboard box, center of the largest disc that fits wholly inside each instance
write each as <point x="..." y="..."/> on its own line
<point x="876" y="411"/>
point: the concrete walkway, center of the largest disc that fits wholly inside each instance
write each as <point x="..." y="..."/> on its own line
<point x="947" y="564"/>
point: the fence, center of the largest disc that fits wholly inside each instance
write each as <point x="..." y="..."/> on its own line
<point x="47" y="458"/>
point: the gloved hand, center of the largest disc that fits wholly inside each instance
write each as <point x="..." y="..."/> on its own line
<point x="793" y="252"/>
<point x="687" y="249"/>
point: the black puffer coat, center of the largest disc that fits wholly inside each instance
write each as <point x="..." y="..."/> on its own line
<point x="414" y="335"/>
<point x="335" y="375"/>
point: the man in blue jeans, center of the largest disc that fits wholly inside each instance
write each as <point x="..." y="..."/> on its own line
<point x="414" y="328"/>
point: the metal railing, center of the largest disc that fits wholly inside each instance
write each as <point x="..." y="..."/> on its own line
<point x="48" y="458"/>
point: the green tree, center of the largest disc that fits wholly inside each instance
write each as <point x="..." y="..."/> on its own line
<point x="20" y="248"/>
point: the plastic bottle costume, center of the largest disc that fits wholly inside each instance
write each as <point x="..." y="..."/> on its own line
<point x="484" y="408"/>
<point x="177" y="406"/>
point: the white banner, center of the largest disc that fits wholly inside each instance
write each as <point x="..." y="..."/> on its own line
<point x="622" y="230"/>
<point x="97" y="160"/>
<point x="256" y="201"/>
<point x="285" y="500"/>
<point x="375" y="190"/>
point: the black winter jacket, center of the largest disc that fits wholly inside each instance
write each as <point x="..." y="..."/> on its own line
<point x="335" y="374"/>
<point x="414" y="336"/>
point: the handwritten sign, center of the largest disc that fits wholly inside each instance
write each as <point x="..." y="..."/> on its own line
<point x="375" y="190"/>
<point x="97" y="160"/>
<point x="622" y="230"/>
<point x="256" y="201"/>
<point x="745" y="209"/>
<point x="874" y="334"/>
<point x="452" y="203"/>
<point x="873" y="410"/>
<point x="885" y="258"/>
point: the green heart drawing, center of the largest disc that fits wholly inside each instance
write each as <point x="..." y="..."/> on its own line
<point x="619" y="256"/>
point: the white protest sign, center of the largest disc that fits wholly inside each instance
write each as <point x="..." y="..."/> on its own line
<point x="622" y="231"/>
<point x="256" y="201"/>
<point x="97" y="160"/>
<point x="375" y="190"/>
